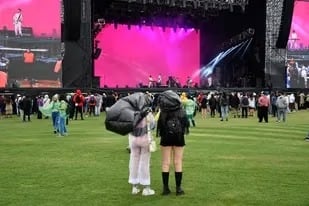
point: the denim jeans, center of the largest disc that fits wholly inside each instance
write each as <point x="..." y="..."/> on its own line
<point x="281" y="114"/>
<point x="55" y="120"/>
<point x="224" y="112"/>
<point x="61" y="126"/>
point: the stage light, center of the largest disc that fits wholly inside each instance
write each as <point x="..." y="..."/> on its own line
<point x="101" y="21"/>
<point x="251" y="31"/>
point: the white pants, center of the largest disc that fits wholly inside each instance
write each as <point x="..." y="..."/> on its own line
<point x="97" y="110"/>
<point x="139" y="165"/>
<point x="18" y="29"/>
<point x="21" y="112"/>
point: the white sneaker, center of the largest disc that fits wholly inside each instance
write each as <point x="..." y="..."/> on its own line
<point x="135" y="190"/>
<point x="148" y="191"/>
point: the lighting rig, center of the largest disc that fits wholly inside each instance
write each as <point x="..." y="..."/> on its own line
<point x="97" y="28"/>
<point x="236" y="39"/>
<point x="196" y="4"/>
<point x="273" y="22"/>
<point x="169" y="13"/>
<point x="273" y="55"/>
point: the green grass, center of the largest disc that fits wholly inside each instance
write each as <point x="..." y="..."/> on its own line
<point x="236" y="163"/>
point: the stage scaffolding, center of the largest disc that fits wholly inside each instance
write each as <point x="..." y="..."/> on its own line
<point x="274" y="58"/>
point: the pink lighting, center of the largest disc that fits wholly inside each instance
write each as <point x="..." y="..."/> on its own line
<point x="38" y="14"/>
<point x="300" y="25"/>
<point x="33" y="26"/>
<point x="129" y="56"/>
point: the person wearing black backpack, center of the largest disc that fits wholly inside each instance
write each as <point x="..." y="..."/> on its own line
<point x="244" y="104"/>
<point x="171" y="127"/>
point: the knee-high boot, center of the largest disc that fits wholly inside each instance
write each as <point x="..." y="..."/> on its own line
<point x="165" y="178"/>
<point x="178" y="179"/>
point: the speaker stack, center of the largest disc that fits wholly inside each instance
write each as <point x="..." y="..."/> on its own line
<point x="72" y="19"/>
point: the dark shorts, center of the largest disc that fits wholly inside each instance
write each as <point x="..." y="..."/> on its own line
<point x="173" y="141"/>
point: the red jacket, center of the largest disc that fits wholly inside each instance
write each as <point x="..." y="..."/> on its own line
<point x="78" y="99"/>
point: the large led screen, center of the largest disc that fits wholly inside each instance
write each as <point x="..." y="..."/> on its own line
<point x="30" y="43"/>
<point x="299" y="38"/>
<point x="132" y="57"/>
<point x="297" y="69"/>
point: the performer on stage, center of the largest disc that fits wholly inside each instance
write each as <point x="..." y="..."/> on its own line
<point x="293" y="40"/>
<point x="150" y="82"/>
<point x="159" y="80"/>
<point x="29" y="57"/>
<point x="189" y="82"/>
<point x="17" y="21"/>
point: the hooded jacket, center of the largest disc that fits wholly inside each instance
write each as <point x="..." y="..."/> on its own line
<point x="127" y="112"/>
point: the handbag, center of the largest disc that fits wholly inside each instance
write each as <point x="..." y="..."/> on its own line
<point x="152" y="145"/>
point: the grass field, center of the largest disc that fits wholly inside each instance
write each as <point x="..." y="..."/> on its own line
<point x="236" y="163"/>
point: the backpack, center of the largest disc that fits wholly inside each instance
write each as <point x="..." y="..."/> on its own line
<point x="245" y="101"/>
<point x="273" y="100"/>
<point x="224" y="101"/>
<point x="92" y="100"/>
<point x="174" y="126"/>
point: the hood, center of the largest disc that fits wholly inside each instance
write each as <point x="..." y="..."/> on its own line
<point x="78" y="91"/>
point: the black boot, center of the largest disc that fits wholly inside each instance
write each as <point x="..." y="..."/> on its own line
<point x="178" y="178"/>
<point x="165" y="177"/>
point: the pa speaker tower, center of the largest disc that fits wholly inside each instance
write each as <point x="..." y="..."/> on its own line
<point x="72" y="19"/>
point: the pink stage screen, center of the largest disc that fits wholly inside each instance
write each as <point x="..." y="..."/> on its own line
<point x="130" y="56"/>
<point x="43" y="16"/>
<point x="298" y="48"/>
<point x="33" y="26"/>
<point x="300" y="26"/>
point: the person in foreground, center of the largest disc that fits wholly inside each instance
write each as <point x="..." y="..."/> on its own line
<point x="131" y="115"/>
<point x="171" y="127"/>
<point x="140" y="156"/>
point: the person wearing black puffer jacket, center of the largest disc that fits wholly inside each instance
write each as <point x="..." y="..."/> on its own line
<point x="172" y="126"/>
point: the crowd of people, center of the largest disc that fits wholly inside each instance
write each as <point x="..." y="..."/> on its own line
<point x="246" y="104"/>
<point x="60" y="108"/>
<point x="168" y="115"/>
<point x="297" y="74"/>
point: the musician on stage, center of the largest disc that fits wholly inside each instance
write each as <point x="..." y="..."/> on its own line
<point x="159" y="80"/>
<point x="189" y="82"/>
<point x="293" y="40"/>
<point x="29" y="57"/>
<point x="17" y="21"/>
<point x="150" y="82"/>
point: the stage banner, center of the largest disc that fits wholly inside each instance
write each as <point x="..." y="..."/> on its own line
<point x="30" y="44"/>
